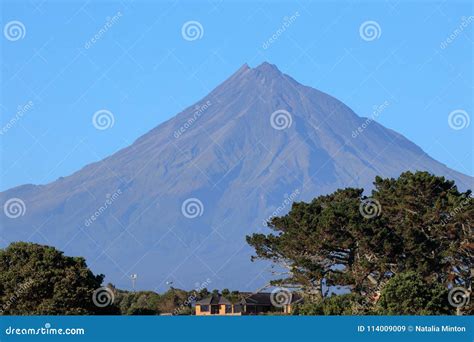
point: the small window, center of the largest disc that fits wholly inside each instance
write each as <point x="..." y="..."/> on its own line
<point x="228" y="309"/>
<point x="205" y="308"/>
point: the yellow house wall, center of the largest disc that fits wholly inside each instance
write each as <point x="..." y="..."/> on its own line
<point x="286" y="309"/>
<point x="221" y="309"/>
<point x="208" y="313"/>
<point x="201" y="313"/>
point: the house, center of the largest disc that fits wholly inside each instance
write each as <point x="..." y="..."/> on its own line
<point x="244" y="304"/>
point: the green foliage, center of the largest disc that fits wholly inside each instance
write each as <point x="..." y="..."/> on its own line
<point x="40" y="280"/>
<point x="174" y="301"/>
<point x="234" y="296"/>
<point x="141" y="311"/>
<point x="409" y="294"/>
<point x="432" y="220"/>
<point x="314" y="237"/>
<point x="203" y="293"/>
<point x="346" y="304"/>
<point x="231" y="296"/>
<point x="423" y="225"/>
<point x="138" y="303"/>
<point x="185" y="311"/>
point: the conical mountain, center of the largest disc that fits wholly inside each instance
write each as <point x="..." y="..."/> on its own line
<point x="176" y="204"/>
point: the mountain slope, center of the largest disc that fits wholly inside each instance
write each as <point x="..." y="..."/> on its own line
<point x="226" y="152"/>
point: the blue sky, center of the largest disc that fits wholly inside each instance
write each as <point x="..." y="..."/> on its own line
<point x="143" y="71"/>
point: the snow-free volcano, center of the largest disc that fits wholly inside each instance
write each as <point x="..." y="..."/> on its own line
<point x="176" y="204"/>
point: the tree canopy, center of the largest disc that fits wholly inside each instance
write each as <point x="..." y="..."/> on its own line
<point x="40" y="280"/>
<point x="418" y="222"/>
<point x="408" y="294"/>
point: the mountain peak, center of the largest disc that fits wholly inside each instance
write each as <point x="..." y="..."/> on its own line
<point x="265" y="68"/>
<point x="243" y="68"/>
<point x="265" y="75"/>
<point x="268" y="67"/>
<point x="234" y="158"/>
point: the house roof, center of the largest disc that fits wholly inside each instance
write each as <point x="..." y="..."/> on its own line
<point x="265" y="298"/>
<point x="248" y="298"/>
<point x="213" y="300"/>
<point x="257" y="298"/>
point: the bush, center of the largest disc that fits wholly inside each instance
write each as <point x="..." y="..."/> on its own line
<point x="40" y="280"/>
<point x="346" y="304"/>
<point x="409" y="294"/>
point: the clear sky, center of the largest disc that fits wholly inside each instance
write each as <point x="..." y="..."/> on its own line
<point x="141" y="68"/>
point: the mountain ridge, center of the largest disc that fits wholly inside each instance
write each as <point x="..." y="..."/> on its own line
<point x="231" y="156"/>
